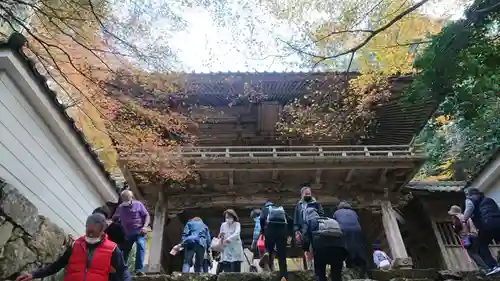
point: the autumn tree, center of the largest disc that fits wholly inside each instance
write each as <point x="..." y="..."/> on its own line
<point x="82" y="46"/>
<point x="378" y="39"/>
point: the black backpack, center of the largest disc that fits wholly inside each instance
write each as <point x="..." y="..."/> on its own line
<point x="328" y="227"/>
<point x="276" y="214"/>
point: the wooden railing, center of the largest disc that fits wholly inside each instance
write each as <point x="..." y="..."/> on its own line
<point x="295" y="151"/>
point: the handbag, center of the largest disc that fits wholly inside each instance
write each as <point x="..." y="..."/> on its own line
<point x="251" y="267"/>
<point x="260" y="244"/>
<point x="466" y="241"/>
<point x="216" y="245"/>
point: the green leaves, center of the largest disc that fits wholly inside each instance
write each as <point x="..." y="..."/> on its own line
<point x="460" y="69"/>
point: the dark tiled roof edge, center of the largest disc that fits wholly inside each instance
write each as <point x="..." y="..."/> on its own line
<point x="15" y="43"/>
<point x="437" y="186"/>
<point x="494" y="156"/>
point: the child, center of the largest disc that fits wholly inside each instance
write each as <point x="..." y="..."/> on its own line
<point x="380" y="258"/>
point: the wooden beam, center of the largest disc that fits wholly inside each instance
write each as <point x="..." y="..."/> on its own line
<point x="317" y="178"/>
<point x="231" y="179"/>
<point x="275" y="175"/>
<point x="130" y="179"/>
<point x="394" y="238"/>
<point x="249" y="201"/>
<point x="349" y="175"/>
<point x="383" y="176"/>
<point x="155" y="252"/>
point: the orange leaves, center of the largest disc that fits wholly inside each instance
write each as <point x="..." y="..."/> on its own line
<point x="146" y="136"/>
<point x="90" y="79"/>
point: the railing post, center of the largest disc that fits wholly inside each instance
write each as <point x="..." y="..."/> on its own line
<point x="274" y="152"/>
<point x="227" y="152"/>
<point x="321" y="151"/>
<point x="367" y="153"/>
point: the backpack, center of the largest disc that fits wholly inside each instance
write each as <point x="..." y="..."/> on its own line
<point x="276" y="214"/>
<point x="328" y="227"/>
<point x="192" y="239"/>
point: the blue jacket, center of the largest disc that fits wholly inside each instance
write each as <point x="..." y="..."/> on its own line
<point x="348" y="218"/>
<point x="256" y="228"/>
<point x="196" y="231"/>
<point x="298" y="215"/>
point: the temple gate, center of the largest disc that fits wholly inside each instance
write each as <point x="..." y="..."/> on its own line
<point x="242" y="162"/>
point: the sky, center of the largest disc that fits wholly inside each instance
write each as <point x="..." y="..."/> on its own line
<point x="206" y="47"/>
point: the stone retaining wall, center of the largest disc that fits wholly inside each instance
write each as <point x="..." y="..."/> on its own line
<point x="27" y="240"/>
<point x="394" y="275"/>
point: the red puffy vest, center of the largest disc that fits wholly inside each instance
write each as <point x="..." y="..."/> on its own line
<point x="100" y="264"/>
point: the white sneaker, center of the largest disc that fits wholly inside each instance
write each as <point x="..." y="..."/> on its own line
<point x="496" y="269"/>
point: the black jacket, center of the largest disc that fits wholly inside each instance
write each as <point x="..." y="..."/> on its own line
<point x="263" y="219"/>
<point x="116" y="233"/>
<point x="486" y="213"/>
<point x="298" y="215"/>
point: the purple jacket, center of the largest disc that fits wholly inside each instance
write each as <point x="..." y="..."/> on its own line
<point x="132" y="217"/>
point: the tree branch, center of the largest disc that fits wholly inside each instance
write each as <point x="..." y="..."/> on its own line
<point x="365" y="41"/>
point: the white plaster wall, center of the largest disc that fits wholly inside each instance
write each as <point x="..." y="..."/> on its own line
<point x="494" y="191"/>
<point x="33" y="160"/>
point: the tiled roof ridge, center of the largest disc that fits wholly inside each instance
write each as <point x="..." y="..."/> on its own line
<point x="16" y="42"/>
<point x="436" y="182"/>
<point x="436" y="186"/>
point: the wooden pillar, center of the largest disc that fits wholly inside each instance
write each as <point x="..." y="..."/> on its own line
<point x="155" y="252"/>
<point x="394" y="238"/>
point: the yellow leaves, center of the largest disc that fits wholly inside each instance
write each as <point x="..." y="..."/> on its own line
<point x="443" y="119"/>
<point x="391" y="52"/>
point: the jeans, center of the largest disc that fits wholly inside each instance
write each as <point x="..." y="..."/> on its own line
<point x="206" y="266"/>
<point x="193" y="250"/>
<point x="473" y="252"/>
<point x="485" y="237"/>
<point x="140" y="247"/>
<point x="334" y="256"/>
<point x="234" y="266"/>
<point x="275" y="238"/>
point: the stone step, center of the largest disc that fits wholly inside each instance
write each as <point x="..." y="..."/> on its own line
<point x="393" y="275"/>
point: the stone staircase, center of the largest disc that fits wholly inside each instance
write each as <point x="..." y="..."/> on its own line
<point x="393" y="275"/>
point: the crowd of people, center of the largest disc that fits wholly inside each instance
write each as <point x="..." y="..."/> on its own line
<point x="101" y="254"/>
<point x="335" y="240"/>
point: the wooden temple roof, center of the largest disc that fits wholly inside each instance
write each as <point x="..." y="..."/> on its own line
<point x="397" y="121"/>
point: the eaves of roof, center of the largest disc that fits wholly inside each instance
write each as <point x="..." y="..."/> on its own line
<point x="436" y="186"/>
<point x="15" y="43"/>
